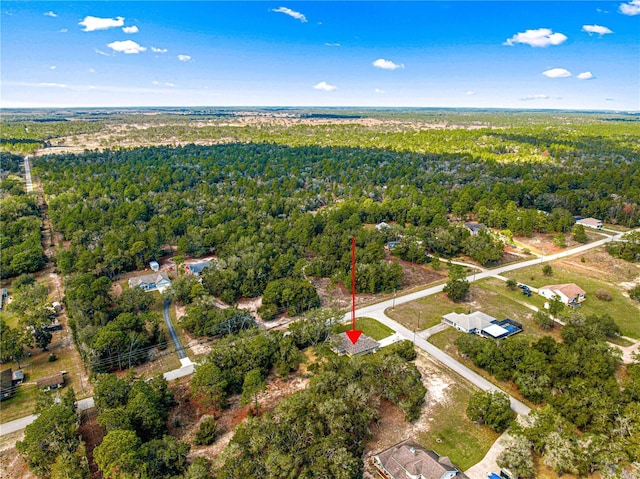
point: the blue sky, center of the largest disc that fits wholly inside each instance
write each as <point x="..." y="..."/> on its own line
<point x="505" y="54"/>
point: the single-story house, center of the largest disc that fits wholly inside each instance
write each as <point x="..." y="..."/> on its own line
<point x="382" y="226"/>
<point x="570" y="294"/>
<point x="7" y="387"/>
<point x="154" y="265"/>
<point x="150" y="282"/>
<point x="364" y="345"/>
<point x="482" y="324"/>
<point x="51" y="382"/>
<point x="17" y="377"/>
<point x="469" y="323"/>
<point x="407" y="460"/>
<point x="589" y="222"/>
<point x="196" y="269"/>
<point x="475" y="228"/>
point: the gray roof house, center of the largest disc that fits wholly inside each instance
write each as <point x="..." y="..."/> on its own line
<point x="407" y="460"/>
<point x="364" y="345"/>
<point x="151" y="282"/>
<point x="196" y="269"/>
<point x="475" y="228"/>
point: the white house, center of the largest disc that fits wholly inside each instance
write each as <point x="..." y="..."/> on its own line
<point x="590" y="223"/>
<point x="570" y="293"/>
<point x="151" y="282"/>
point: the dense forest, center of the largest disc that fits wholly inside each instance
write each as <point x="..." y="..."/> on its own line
<point x="586" y="406"/>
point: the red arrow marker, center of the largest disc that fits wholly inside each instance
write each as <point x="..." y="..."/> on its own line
<point x="353" y="334"/>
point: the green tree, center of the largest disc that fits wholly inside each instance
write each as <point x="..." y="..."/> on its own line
<point x="517" y="457"/>
<point x="492" y="409"/>
<point x="543" y="320"/>
<point x="547" y="270"/>
<point x="12" y="342"/>
<point x="556" y="306"/>
<point x="579" y="234"/>
<point x="71" y="465"/>
<point x="634" y="293"/>
<point x="117" y="454"/>
<point x="207" y="432"/>
<point x="560" y="241"/>
<point x="512" y="284"/>
<point x="253" y="384"/>
<point x="53" y="433"/>
<point x="210" y="384"/>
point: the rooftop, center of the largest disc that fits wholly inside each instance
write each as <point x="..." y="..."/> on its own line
<point x="364" y="344"/>
<point x="407" y="460"/>
<point x="49" y="381"/>
<point x="570" y="290"/>
<point x="148" y="278"/>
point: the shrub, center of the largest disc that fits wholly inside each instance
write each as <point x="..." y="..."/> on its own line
<point x="52" y="358"/>
<point x="635" y="293"/>
<point x="512" y="284"/>
<point x="603" y="295"/>
<point x="547" y="270"/>
<point x="207" y="432"/>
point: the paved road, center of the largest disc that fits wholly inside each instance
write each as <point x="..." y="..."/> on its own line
<point x="172" y="331"/>
<point x="27" y="174"/>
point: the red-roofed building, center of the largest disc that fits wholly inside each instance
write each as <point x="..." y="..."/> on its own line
<point x="570" y="294"/>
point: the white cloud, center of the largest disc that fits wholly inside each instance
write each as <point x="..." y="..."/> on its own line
<point x="184" y="58"/>
<point x="50" y="14"/>
<point x="332" y="44"/>
<point x="542" y="37"/>
<point x="378" y="90"/>
<point x="557" y="73"/>
<point x="471" y="92"/>
<point x="92" y="24"/>
<point x="387" y="64"/>
<point x="126" y="46"/>
<point x="291" y="13"/>
<point x="131" y="29"/>
<point x="155" y="82"/>
<point x="324" y="86"/>
<point x="535" y="97"/>
<point x="91" y="70"/>
<point x="158" y="50"/>
<point x="631" y="8"/>
<point x="585" y="76"/>
<point x="168" y="83"/>
<point x="53" y="85"/>
<point x="600" y="30"/>
<point x="64" y="30"/>
<point x="52" y="67"/>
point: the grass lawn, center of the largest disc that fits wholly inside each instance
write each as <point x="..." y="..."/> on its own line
<point x="38" y="366"/>
<point x="426" y="312"/>
<point x="452" y="434"/>
<point x="368" y="326"/>
<point x="445" y="340"/>
<point x="622" y="309"/>
<point x="490" y="296"/>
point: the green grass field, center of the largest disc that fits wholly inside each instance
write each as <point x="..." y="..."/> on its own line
<point x="368" y="326"/>
<point x="622" y="309"/>
<point x="452" y="434"/>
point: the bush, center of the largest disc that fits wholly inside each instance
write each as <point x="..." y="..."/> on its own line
<point x="207" y="432"/>
<point x="492" y="409"/>
<point x="512" y="284"/>
<point x="268" y="311"/>
<point x="547" y="270"/>
<point x="603" y="295"/>
<point x="635" y="293"/>
<point x="52" y="358"/>
<point x="543" y="320"/>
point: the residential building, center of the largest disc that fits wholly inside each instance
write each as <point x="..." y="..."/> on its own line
<point x="570" y="293"/>
<point x="364" y="345"/>
<point x="475" y="228"/>
<point x="589" y="222"/>
<point x="51" y="382"/>
<point x="196" y="269"/>
<point x="151" y="282"/>
<point x="7" y="387"/>
<point x="482" y="324"/>
<point x="407" y="460"/>
<point x="154" y="265"/>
